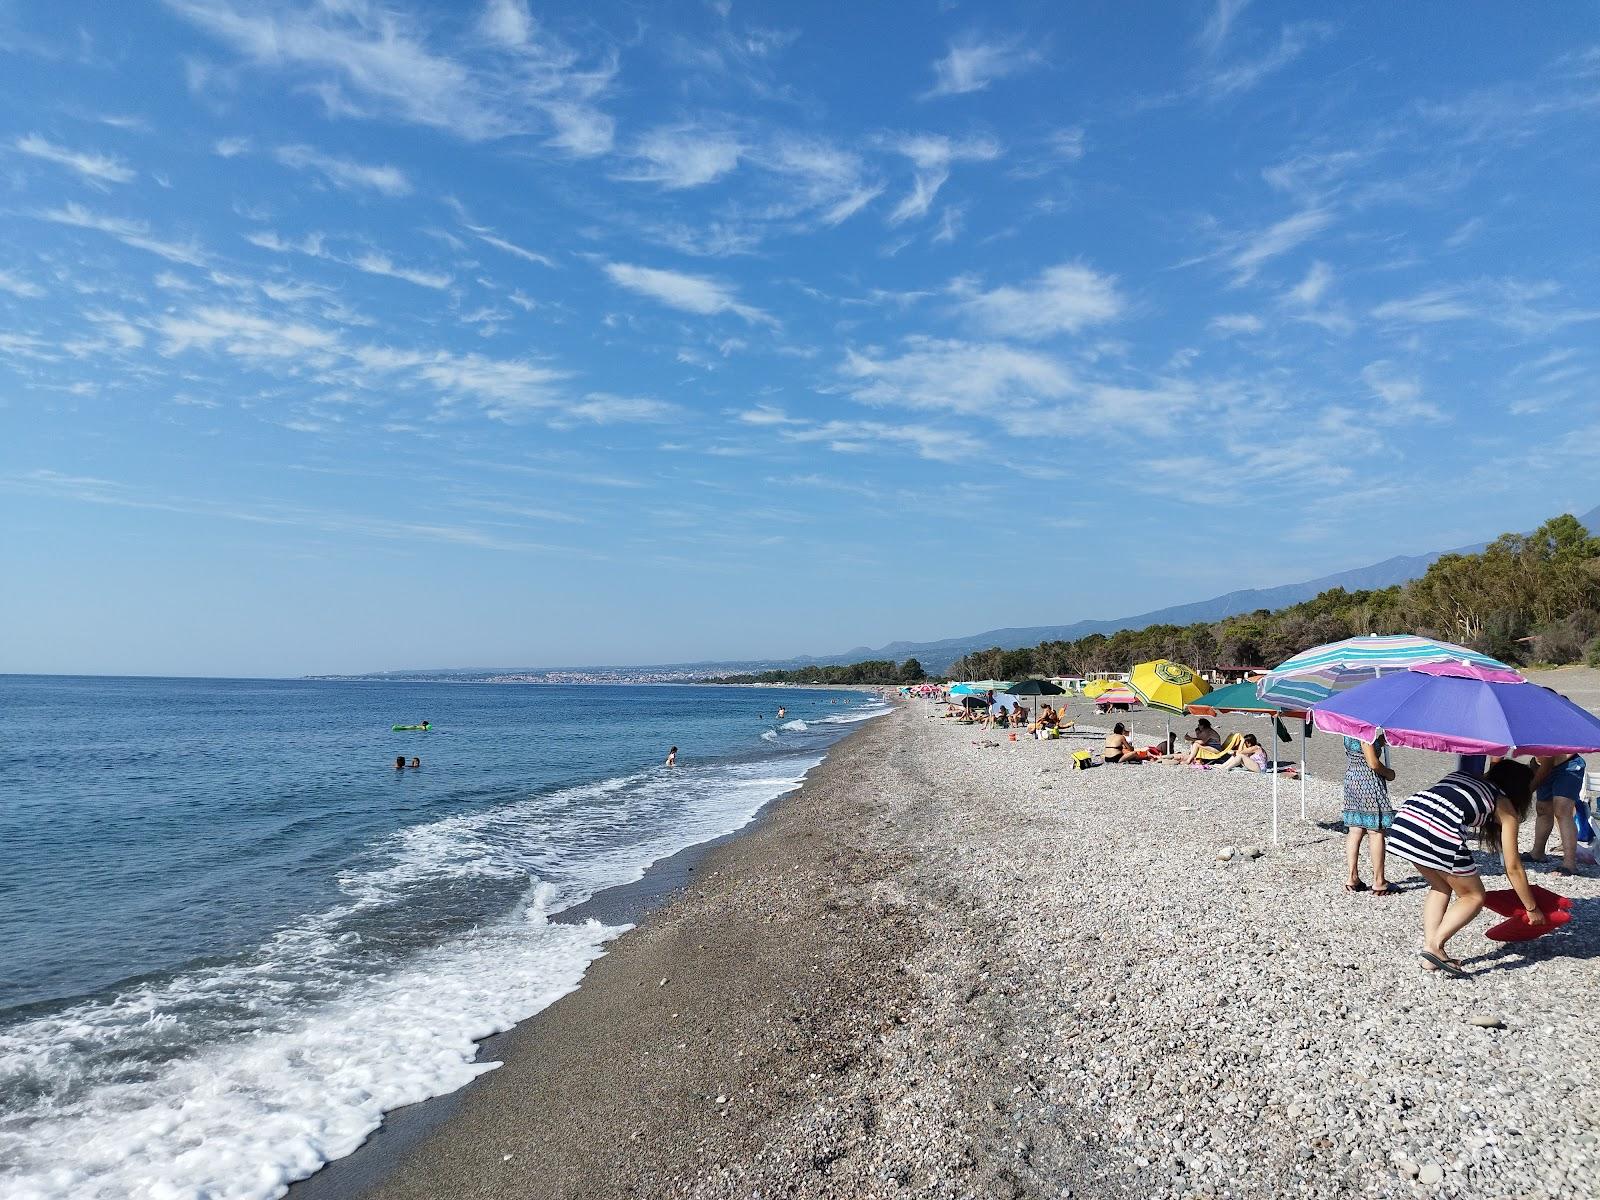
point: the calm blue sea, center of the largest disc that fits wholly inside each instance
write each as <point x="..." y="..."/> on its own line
<point x="232" y="935"/>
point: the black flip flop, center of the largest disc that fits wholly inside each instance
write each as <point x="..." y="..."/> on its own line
<point x="1387" y="889"/>
<point x="1450" y="968"/>
<point x="1359" y="885"/>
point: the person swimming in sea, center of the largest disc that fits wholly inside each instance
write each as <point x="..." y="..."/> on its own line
<point x="672" y="757"/>
<point x="427" y="724"/>
<point x="416" y="762"/>
<point x="782" y="713"/>
<point x="400" y="762"/>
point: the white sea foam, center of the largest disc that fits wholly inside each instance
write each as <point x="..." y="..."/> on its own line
<point x="793" y="726"/>
<point x="307" y="1052"/>
<point x="770" y="735"/>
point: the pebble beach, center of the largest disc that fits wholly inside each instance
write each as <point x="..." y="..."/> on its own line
<point x="945" y="968"/>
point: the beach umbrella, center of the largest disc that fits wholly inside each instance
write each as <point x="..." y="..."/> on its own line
<point x="1117" y="693"/>
<point x="1322" y="671"/>
<point x="1094" y="687"/>
<point x="1035" y="688"/>
<point x="1317" y="673"/>
<point x="1238" y="698"/>
<point x="1243" y="698"/>
<point x="1168" y="686"/>
<point x="1461" y="709"/>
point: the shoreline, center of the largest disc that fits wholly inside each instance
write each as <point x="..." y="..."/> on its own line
<point x="369" y="1166"/>
<point x="949" y="968"/>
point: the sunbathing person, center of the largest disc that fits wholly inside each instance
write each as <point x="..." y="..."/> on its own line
<point x="1250" y="755"/>
<point x="1204" y="737"/>
<point x="1119" y="747"/>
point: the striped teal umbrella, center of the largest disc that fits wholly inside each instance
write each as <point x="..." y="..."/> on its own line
<point x="1319" y="672"/>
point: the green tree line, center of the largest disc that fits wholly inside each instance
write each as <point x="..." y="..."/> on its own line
<point x="1526" y="598"/>
<point x="870" y="671"/>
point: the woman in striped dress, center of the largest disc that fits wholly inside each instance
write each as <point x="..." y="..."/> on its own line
<point x="1430" y="832"/>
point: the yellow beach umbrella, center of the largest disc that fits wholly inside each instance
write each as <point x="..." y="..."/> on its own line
<point x="1095" y="686"/>
<point x="1167" y="685"/>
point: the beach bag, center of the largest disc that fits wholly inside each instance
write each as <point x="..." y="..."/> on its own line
<point x="1082" y="759"/>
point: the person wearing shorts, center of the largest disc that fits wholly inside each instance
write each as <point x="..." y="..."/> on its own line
<point x="1430" y="831"/>
<point x="1558" y="787"/>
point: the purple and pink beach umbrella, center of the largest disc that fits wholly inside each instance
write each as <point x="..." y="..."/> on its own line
<point x="1461" y="708"/>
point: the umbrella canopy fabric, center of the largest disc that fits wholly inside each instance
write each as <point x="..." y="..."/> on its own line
<point x="1167" y="685"/>
<point x="1035" y="687"/>
<point x="1460" y="715"/>
<point x="982" y="688"/>
<point x="1094" y="687"/>
<point x="1317" y="673"/>
<point x="1238" y="698"/>
<point x="1117" y="693"/>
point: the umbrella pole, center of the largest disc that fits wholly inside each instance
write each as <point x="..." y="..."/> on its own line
<point x="1304" y="725"/>
<point x="1274" y="787"/>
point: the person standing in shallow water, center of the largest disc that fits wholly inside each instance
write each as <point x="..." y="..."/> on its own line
<point x="1367" y="812"/>
<point x="672" y="757"/>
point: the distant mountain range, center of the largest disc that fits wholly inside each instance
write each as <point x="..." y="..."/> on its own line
<point x="937" y="656"/>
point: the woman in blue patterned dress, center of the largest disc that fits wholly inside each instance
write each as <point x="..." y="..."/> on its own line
<point x="1430" y="832"/>
<point x="1366" y="811"/>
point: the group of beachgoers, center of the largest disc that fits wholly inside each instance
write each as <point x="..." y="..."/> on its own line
<point x="1486" y="798"/>
<point x="1047" y="722"/>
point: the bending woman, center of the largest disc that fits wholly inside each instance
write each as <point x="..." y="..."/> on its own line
<point x="1430" y="832"/>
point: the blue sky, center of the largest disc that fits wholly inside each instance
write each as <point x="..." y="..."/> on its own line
<point x="346" y="335"/>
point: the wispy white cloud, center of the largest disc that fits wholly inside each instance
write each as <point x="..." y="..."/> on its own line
<point x="504" y="77"/>
<point x="1061" y="299"/>
<point x="1243" y="75"/>
<point x="957" y="376"/>
<point x="602" y="408"/>
<point x="931" y="158"/>
<point x="230" y="147"/>
<point x="96" y="168"/>
<point x="1251" y="251"/>
<point x="373" y="262"/>
<point x="90" y="490"/>
<point x="1399" y="394"/>
<point x="682" y="156"/>
<point x="345" y="173"/>
<point x="19" y="286"/>
<point x="1314" y="286"/>
<point x="972" y="64"/>
<point x="698" y="294"/>
<point x="1219" y="23"/>
<point x="132" y="233"/>
<point x="1533" y="309"/>
<point x="1230" y="323"/>
<point x="859" y="437"/>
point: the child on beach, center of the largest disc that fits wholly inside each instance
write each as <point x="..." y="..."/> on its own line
<point x="1251" y="755"/>
<point x="1430" y="832"/>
